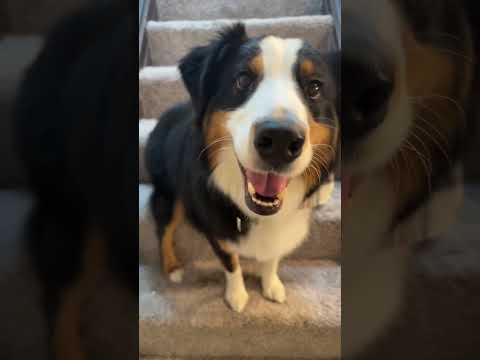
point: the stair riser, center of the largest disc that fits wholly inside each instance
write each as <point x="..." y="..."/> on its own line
<point x="221" y="9"/>
<point x="288" y="343"/>
<point x="169" y="41"/>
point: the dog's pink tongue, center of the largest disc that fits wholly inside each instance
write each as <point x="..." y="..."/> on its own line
<point x="268" y="185"/>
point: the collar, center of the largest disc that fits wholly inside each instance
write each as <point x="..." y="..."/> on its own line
<point x="244" y="223"/>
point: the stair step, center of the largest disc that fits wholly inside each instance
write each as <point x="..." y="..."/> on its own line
<point x="160" y="87"/>
<point x="218" y="9"/>
<point x="324" y="241"/>
<point x="170" y="40"/>
<point x="221" y="358"/>
<point x="192" y="318"/>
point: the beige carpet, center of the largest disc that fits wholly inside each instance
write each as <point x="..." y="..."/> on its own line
<point x="192" y="318"/>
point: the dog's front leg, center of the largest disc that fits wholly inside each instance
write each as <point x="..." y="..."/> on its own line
<point x="235" y="293"/>
<point x="273" y="288"/>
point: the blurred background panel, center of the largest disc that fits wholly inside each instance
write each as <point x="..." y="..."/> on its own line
<point x="23" y="25"/>
<point x="36" y="17"/>
<point x="109" y="317"/>
<point x="411" y="274"/>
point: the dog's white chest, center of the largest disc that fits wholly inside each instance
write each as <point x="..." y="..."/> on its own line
<point x="274" y="237"/>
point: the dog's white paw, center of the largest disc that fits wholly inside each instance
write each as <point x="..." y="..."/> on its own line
<point x="237" y="298"/>
<point x="274" y="290"/>
<point x="176" y="276"/>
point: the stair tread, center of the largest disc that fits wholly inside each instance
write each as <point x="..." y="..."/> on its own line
<point x="212" y="9"/>
<point x="208" y="24"/>
<point x="170" y="314"/>
<point x="170" y="40"/>
<point x="159" y="73"/>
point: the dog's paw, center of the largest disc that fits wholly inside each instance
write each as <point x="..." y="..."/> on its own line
<point x="176" y="276"/>
<point x="274" y="290"/>
<point x="237" y="298"/>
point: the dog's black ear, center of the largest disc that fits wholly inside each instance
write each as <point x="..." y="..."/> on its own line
<point x="201" y="67"/>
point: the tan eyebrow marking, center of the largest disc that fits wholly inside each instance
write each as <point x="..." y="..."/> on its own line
<point x="307" y="68"/>
<point x="256" y="65"/>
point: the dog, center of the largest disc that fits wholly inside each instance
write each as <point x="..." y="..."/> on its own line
<point x="239" y="161"/>
<point x="407" y="70"/>
<point x="73" y="126"/>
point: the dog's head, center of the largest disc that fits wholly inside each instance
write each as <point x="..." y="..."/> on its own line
<point x="404" y="84"/>
<point x="266" y="107"/>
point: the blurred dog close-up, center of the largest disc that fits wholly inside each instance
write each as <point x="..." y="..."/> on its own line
<point x="73" y="122"/>
<point x="408" y="71"/>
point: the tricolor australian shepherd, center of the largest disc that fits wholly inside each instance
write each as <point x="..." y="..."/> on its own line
<point x="242" y="161"/>
<point x="406" y="78"/>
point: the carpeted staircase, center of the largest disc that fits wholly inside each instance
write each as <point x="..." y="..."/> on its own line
<point x="191" y="320"/>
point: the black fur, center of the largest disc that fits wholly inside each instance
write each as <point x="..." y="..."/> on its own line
<point x="200" y="67"/>
<point x="172" y="157"/>
<point x="182" y="173"/>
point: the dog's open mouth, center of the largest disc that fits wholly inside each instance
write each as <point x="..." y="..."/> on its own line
<point x="264" y="191"/>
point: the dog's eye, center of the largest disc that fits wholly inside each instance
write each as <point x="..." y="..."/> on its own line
<point x="314" y="89"/>
<point x="243" y="81"/>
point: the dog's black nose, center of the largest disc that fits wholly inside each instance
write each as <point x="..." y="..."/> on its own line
<point x="366" y="93"/>
<point x="279" y="142"/>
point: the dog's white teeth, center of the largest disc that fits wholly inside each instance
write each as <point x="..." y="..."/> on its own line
<point x="256" y="200"/>
<point x="276" y="202"/>
<point x="259" y="202"/>
<point x="250" y="188"/>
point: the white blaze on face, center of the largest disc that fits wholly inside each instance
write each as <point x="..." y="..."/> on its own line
<point x="277" y="91"/>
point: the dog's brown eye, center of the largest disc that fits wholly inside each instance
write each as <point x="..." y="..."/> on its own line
<point x="244" y="80"/>
<point x="314" y="89"/>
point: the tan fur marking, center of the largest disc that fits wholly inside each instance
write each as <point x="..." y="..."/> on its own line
<point x="319" y="134"/>
<point x="216" y="136"/>
<point x="235" y="262"/>
<point x="170" y="261"/>
<point x="431" y="75"/>
<point x="307" y="68"/>
<point x="67" y="341"/>
<point x="225" y="246"/>
<point x="428" y="70"/>
<point x="256" y="65"/>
